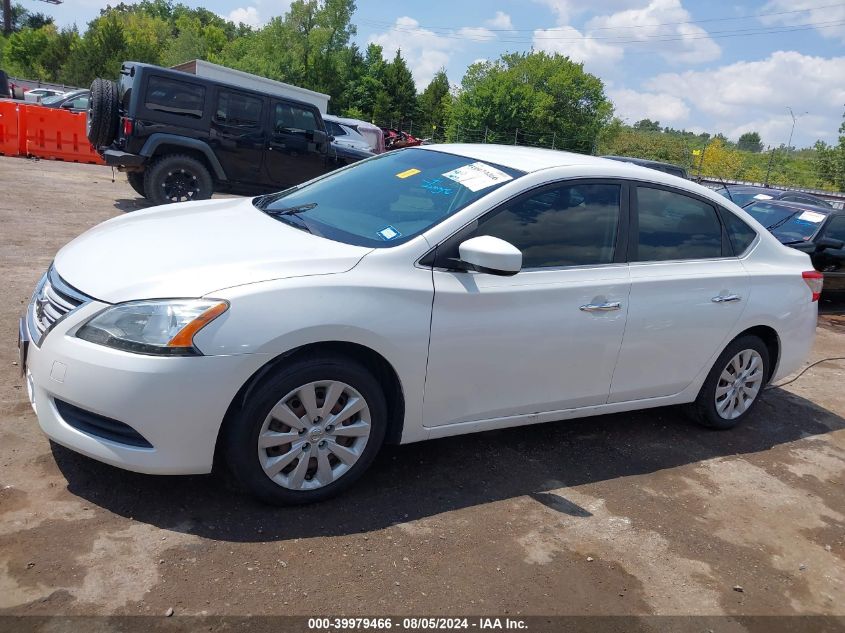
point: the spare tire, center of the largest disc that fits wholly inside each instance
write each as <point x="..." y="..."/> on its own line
<point x="102" y="113"/>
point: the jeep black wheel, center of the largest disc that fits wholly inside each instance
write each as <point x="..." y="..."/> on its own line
<point x="136" y="181"/>
<point x="102" y="122"/>
<point x="177" y="178"/>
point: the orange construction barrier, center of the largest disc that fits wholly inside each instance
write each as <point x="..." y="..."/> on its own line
<point x="58" y="135"/>
<point x="9" y="128"/>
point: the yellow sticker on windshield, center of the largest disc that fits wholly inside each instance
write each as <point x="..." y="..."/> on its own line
<point x="407" y="173"/>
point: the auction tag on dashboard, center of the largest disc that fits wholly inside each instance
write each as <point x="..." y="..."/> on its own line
<point x="408" y="173"/>
<point x="812" y="216"/>
<point x="477" y="176"/>
<point x="389" y="233"/>
<point x="762" y="196"/>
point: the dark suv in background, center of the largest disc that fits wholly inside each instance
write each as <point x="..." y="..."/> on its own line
<point x="181" y="137"/>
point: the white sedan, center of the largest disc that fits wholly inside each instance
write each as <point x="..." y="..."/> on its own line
<point x="419" y="294"/>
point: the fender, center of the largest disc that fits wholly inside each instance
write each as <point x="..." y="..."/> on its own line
<point x="159" y="138"/>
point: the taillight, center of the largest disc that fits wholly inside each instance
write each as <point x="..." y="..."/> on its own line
<point x="814" y="280"/>
<point x="128" y="124"/>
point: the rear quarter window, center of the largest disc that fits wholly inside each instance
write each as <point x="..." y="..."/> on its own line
<point x="181" y="98"/>
<point x="740" y="234"/>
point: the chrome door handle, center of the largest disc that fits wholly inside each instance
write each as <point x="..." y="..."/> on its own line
<point x="725" y="298"/>
<point x="601" y="307"/>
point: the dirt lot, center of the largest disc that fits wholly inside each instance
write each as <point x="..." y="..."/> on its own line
<point x="638" y="513"/>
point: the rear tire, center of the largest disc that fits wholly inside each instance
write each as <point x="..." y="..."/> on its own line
<point x="331" y="448"/>
<point x="103" y="116"/>
<point x="734" y="385"/>
<point x="136" y="181"/>
<point x="177" y="178"/>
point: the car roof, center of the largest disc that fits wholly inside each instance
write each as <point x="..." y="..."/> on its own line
<point x="645" y="162"/>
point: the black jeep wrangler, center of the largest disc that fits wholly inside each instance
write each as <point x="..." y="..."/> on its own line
<point x="181" y="137"/>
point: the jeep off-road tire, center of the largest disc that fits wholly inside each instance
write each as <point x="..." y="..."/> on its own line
<point x="102" y="113"/>
<point x="136" y="181"/>
<point x="177" y="178"/>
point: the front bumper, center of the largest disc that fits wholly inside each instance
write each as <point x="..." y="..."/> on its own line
<point x="177" y="404"/>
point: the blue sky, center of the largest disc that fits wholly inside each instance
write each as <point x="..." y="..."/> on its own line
<point x="704" y="66"/>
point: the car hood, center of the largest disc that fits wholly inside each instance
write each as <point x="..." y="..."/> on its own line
<point x="194" y="248"/>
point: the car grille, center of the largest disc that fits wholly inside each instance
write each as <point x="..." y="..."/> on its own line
<point x="53" y="300"/>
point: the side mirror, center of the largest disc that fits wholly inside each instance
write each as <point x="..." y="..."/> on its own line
<point x="829" y="242"/>
<point x="319" y="137"/>
<point x="488" y="254"/>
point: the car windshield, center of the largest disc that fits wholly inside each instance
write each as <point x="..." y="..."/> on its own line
<point x="788" y="224"/>
<point x="741" y="198"/>
<point x="389" y="199"/>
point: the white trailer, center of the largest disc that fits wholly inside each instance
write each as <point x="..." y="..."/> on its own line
<point x="202" y="68"/>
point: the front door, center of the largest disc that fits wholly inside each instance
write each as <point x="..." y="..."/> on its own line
<point x="546" y="338"/>
<point x="687" y="293"/>
<point x="292" y="155"/>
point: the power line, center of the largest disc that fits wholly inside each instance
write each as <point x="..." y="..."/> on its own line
<point x="448" y="29"/>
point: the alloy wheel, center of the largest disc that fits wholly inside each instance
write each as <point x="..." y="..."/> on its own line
<point x="739" y="384"/>
<point x="314" y="435"/>
<point x="179" y="185"/>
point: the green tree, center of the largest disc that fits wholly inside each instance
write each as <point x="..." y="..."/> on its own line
<point x="399" y="92"/>
<point x="548" y="96"/>
<point x="750" y="142"/>
<point x="434" y="105"/>
<point x="647" y="125"/>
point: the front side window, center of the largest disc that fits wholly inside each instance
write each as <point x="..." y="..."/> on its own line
<point x="673" y="226"/>
<point x="236" y="109"/>
<point x="387" y="200"/>
<point x="836" y="229"/>
<point x="569" y="225"/>
<point x="175" y="97"/>
<point x="334" y="129"/>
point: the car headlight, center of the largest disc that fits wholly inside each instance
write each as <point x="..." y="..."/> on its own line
<point x="163" y="327"/>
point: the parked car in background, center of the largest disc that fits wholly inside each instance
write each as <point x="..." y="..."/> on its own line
<point x="743" y="195"/>
<point x="182" y="137"/>
<point x="346" y="136"/>
<point x="816" y="230"/>
<point x="37" y="94"/>
<point x="397" y="139"/>
<point x="5" y="90"/>
<point x="668" y="168"/>
<point x="75" y="101"/>
<point x="420" y="294"/>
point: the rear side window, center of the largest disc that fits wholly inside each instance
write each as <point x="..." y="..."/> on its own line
<point x="236" y="109"/>
<point x="740" y="234"/>
<point x="175" y="97"/>
<point x="673" y="226"/>
<point x="291" y="119"/>
<point x="571" y="225"/>
<point x="836" y="228"/>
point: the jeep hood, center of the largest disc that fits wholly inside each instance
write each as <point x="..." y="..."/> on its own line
<point x="192" y="249"/>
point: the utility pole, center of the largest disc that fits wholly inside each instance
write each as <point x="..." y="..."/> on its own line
<point x="769" y="168"/>
<point x="794" y="118"/>
<point x="7" y="17"/>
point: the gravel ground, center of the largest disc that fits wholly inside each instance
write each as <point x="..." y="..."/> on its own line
<point x="636" y="513"/>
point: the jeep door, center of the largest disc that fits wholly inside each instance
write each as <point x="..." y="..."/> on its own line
<point x="237" y="136"/>
<point x="292" y="156"/>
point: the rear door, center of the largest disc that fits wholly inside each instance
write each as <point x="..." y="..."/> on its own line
<point x="687" y="292"/>
<point x="237" y="134"/>
<point x="292" y="155"/>
<point x="831" y="261"/>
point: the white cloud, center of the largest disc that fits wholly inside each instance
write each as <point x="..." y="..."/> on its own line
<point x="662" y="26"/>
<point x="565" y="10"/>
<point x="476" y="33"/>
<point x="569" y="41"/>
<point x="633" y="106"/>
<point x="501" y="21"/>
<point x="743" y="95"/>
<point x="803" y="12"/>
<point x="247" y="15"/>
<point x="425" y="51"/>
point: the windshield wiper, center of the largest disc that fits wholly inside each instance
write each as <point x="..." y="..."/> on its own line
<point x="781" y="222"/>
<point x="291" y="210"/>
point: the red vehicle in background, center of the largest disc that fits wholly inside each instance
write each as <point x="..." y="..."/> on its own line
<point x="396" y="139"/>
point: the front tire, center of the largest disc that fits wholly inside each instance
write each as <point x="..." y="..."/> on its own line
<point x="307" y="432"/>
<point x="733" y="386"/>
<point x="177" y="178"/>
